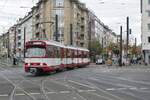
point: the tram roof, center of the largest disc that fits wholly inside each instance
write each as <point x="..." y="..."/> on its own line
<point x="61" y="45"/>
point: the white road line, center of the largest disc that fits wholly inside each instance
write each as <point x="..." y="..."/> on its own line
<point x="134" y="88"/>
<point x="4" y="95"/>
<point x="125" y="79"/>
<point x="144" y="88"/>
<point x="64" y="92"/>
<point x="99" y="89"/>
<point x="91" y="90"/>
<point x="86" y="91"/>
<point x="67" y="85"/>
<point x="22" y="94"/>
<point x="121" y="88"/>
<point x="81" y="84"/>
<point x="52" y="93"/>
<point x="118" y="85"/>
<point x="110" y="89"/>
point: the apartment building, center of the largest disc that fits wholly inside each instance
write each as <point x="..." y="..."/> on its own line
<point x="68" y="20"/>
<point x="23" y="33"/>
<point x="145" y="28"/>
<point x="4" y="44"/>
<point x="11" y="39"/>
<point x="72" y="18"/>
<point x="100" y="31"/>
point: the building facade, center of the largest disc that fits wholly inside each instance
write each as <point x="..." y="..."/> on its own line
<point x="100" y="31"/>
<point x="11" y="40"/>
<point x="4" y="45"/>
<point x="23" y="33"/>
<point x="71" y="25"/>
<point x="145" y="28"/>
<point x="67" y="21"/>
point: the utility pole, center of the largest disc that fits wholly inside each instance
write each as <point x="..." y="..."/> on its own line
<point x="135" y="42"/>
<point x="102" y="46"/>
<point x="24" y="41"/>
<point x="120" y="63"/>
<point x="127" y="36"/>
<point x="71" y="35"/>
<point x="90" y="39"/>
<point x="56" y="28"/>
<point x="8" y="44"/>
<point x="15" y="41"/>
<point x="135" y="46"/>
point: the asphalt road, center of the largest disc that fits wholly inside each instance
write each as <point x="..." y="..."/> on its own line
<point x="91" y="83"/>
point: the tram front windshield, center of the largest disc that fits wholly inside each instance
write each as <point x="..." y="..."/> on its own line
<point x="35" y="52"/>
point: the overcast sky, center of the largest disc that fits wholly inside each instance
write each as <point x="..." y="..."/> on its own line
<point x="112" y="12"/>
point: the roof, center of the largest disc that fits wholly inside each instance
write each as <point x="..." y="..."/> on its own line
<point x="60" y="44"/>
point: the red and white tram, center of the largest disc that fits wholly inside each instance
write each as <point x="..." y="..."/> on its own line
<point x="49" y="56"/>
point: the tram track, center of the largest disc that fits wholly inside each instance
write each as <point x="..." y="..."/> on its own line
<point x="41" y="84"/>
<point x="42" y="88"/>
<point x="16" y="86"/>
<point x="12" y="94"/>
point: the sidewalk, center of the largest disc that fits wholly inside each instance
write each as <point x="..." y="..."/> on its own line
<point x="9" y="62"/>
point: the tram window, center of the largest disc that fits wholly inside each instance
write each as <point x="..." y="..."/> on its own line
<point x="75" y="54"/>
<point x="57" y="52"/>
<point x="82" y="54"/>
<point x="72" y="53"/>
<point x="85" y="54"/>
<point x="62" y="52"/>
<point x="68" y="53"/>
<point x="79" y="54"/>
<point x="50" y="52"/>
<point x="65" y="51"/>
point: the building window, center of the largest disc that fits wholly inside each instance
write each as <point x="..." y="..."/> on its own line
<point x="148" y="25"/>
<point x="37" y="26"/>
<point x="59" y="3"/>
<point x="60" y="14"/>
<point x="19" y="44"/>
<point x="19" y="31"/>
<point x="149" y="2"/>
<point x="37" y="35"/>
<point x="148" y="39"/>
<point x="148" y="13"/>
<point x="37" y="17"/>
<point x="19" y="37"/>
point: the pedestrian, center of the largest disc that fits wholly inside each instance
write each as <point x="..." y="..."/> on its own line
<point x="14" y="59"/>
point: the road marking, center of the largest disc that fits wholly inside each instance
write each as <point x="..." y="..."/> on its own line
<point x="52" y="93"/>
<point x="91" y="90"/>
<point x="60" y="92"/>
<point x="86" y="90"/>
<point x="64" y="92"/>
<point x="121" y="88"/>
<point x="144" y="88"/>
<point x="133" y="88"/>
<point x="110" y="89"/>
<point x="4" y="95"/>
<point x="81" y="84"/>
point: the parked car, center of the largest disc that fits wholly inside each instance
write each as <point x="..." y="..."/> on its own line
<point x="100" y="61"/>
